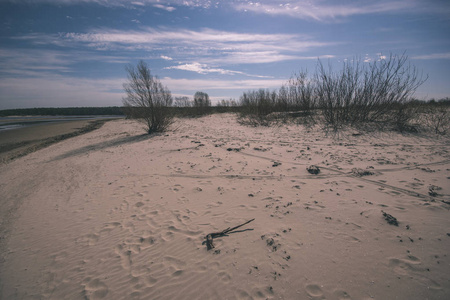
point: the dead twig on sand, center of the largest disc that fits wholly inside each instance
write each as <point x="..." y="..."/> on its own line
<point x="209" y="237"/>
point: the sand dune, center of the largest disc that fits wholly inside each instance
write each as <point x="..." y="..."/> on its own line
<point x="115" y="214"/>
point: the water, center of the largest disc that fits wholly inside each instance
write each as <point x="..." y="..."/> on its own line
<point x="11" y="123"/>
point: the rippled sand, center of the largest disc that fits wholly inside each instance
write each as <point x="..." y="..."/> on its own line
<point x="117" y="214"/>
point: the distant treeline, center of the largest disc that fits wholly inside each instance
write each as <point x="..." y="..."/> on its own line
<point x="110" y="111"/>
<point x="63" y="111"/>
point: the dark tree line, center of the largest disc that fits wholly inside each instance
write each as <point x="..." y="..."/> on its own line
<point x="64" y="111"/>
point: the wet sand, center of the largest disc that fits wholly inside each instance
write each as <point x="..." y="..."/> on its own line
<point x="19" y="142"/>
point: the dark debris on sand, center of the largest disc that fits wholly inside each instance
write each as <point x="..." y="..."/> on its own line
<point x="390" y="219"/>
<point x="313" y="169"/>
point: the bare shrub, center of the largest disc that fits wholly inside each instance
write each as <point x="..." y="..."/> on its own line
<point x="437" y="118"/>
<point x="374" y="94"/>
<point x="403" y="116"/>
<point x="302" y="92"/>
<point x="361" y="93"/>
<point x="147" y="100"/>
<point x="256" y="107"/>
<point x="183" y="101"/>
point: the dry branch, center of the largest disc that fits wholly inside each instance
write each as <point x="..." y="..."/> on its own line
<point x="209" y="237"/>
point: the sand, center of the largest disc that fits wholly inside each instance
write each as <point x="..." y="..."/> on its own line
<point x="117" y="214"/>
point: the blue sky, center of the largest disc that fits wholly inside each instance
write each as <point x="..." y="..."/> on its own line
<point x="73" y="52"/>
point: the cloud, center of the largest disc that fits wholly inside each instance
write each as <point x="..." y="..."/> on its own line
<point x="433" y="56"/>
<point x="121" y="3"/>
<point x="21" y="61"/>
<point x="204" y="69"/>
<point x="240" y="86"/>
<point x="164" y="7"/>
<point x="209" y="37"/>
<point x="318" y="10"/>
<point x="36" y="62"/>
<point x="166" y="57"/>
<point x="46" y="90"/>
<point x="323" y="10"/>
<point x="204" y="46"/>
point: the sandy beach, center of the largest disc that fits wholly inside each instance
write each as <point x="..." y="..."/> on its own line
<point x="118" y="214"/>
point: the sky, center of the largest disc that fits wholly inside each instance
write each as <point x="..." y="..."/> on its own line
<point x="67" y="53"/>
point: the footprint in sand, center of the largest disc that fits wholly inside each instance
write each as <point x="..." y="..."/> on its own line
<point x="404" y="266"/>
<point x="177" y="273"/>
<point x="258" y="294"/>
<point x="146" y="242"/>
<point x="175" y="264"/>
<point x="314" y="291"/>
<point x="349" y="238"/>
<point x="224" y="276"/>
<point x="411" y="266"/>
<point x="110" y="226"/>
<point x="95" y="289"/>
<point x="150" y="281"/>
<point x="241" y="294"/>
<point x="89" y="239"/>
<point x="139" y="204"/>
<point x="125" y="257"/>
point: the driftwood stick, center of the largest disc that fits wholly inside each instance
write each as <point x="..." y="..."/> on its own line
<point x="209" y="242"/>
<point x="210" y="236"/>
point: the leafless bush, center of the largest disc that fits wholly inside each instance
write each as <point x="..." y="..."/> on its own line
<point x="183" y="101"/>
<point x="302" y="92"/>
<point x="256" y="107"/>
<point x="147" y="100"/>
<point x="405" y="117"/>
<point x="437" y="118"/>
<point x="361" y="93"/>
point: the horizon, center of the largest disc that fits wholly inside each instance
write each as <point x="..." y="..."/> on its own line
<point x="74" y="53"/>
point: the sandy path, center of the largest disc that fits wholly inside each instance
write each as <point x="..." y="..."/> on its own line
<point x="115" y="214"/>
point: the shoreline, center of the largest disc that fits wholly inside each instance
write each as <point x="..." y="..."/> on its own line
<point x="19" y="142"/>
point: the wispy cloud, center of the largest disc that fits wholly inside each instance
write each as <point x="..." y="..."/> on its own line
<point x="34" y="62"/>
<point x="164" y="7"/>
<point x="320" y="10"/>
<point x="47" y="89"/>
<point x="433" y="56"/>
<point x="204" y="69"/>
<point x="258" y="57"/>
<point x="123" y="3"/>
<point x="193" y="85"/>
<point x="204" y="46"/>
<point x="216" y="39"/>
